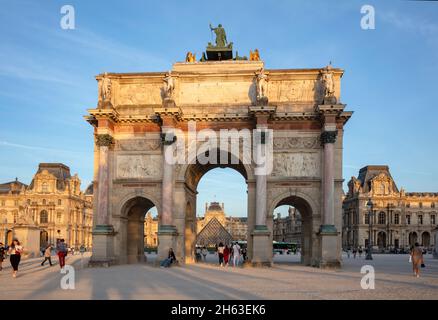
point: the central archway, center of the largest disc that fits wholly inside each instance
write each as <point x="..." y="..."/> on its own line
<point x="189" y="180"/>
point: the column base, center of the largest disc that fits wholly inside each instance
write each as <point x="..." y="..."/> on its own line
<point x="330" y="258"/>
<point x="262" y="246"/>
<point x="103" y="241"/>
<point x="166" y="239"/>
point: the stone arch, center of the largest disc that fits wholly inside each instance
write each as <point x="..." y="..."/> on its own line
<point x="413" y="238"/>
<point x="425" y="239"/>
<point x="44" y="238"/>
<point x="381" y="239"/>
<point x="191" y="174"/>
<point x="131" y="228"/>
<point x="308" y="210"/>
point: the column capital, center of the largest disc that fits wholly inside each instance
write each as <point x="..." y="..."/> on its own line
<point x="104" y="140"/>
<point x="329" y="136"/>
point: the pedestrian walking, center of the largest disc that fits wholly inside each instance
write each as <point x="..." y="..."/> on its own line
<point x="226" y="255"/>
<point x="360" y="251"/>
<point x="236" y="254"/>
<point x="61" y="250"/>
<point x="48" y="255"/>
<point x="220" y="253"/>
<point x="204" y="253"/>
<point x="198" y="254"/>
<point x="14" y="251"/>
<point x="348" y="253"/>
<point x="417" y="259"/>
<point x="354" y="252"/>
<point x="2" y="255"/>
<point x="244" y="254"/>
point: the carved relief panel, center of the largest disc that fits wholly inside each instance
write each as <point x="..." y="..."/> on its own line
<point x="139" y="167"/>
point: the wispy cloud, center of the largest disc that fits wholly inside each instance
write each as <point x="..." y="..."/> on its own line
<point x="37" y="148"/>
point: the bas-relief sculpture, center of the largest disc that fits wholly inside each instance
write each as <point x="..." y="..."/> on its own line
<point x="296" y="165"/>
<point x="139" y="166"/>
<point x="296" y="142"/>
<point x="137" y="145"/>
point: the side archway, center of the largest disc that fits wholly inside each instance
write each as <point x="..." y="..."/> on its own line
<point x="132" y="229"/>
<point x="306" y="206"/>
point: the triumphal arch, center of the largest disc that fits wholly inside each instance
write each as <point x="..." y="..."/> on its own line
<point x="157" y="133"/>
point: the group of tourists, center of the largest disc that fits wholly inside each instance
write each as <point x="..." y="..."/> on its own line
<point x="15" y="250"/>
<point x="355" y="251"/>
<point x="225" y="253"/>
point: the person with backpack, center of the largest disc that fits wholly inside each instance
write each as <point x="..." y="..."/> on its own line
<point x="61" y="249"/>
<point x="14" y="251"/>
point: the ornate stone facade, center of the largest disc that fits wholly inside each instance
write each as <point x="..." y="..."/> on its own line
<point x="55" y="205"/>
<point x="132" y="172"/>
<point x="400" y="218"/>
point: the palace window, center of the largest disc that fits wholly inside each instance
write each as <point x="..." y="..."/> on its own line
<point x="432" y="205"/>
<point x="45" y="187"/>
<point x="367" y="218"/>
<point x="58" y="217"/>
<point x="382" y="219"/>
<point x="15" y="217"/>
<point x="432" y="219"/>
<point x="3" y="203"/>
<point x="420" y="204"/>
<point x="44" y="217"/>
<point x="408" y="205"/>
<point x="44" y="201"/>
<point x="408" y="219"/>
<point x="396" y="218"/>
<point x="420" y="219"/>
<point x="59" y="202"/>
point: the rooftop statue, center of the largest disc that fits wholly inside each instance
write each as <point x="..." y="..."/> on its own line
<point x="221" y="37"/>
<point x="254" y="56"/>
<point x="328" y="84"/>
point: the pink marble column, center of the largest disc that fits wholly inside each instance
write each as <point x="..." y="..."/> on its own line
<point x="261" y="185"/>
<point x="328" y="138"/>
<point x="168" y="185"/>
<point x="103" y="141"/>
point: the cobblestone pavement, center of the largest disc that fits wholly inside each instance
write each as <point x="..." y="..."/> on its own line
<point x="285" y="280"/>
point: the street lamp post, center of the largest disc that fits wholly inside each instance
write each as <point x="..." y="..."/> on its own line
<point x="370" y="206"/>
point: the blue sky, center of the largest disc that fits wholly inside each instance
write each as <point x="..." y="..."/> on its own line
<point x="47" y="74"/>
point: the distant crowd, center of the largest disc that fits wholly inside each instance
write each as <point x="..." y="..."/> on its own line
<point x="226" y="254"/>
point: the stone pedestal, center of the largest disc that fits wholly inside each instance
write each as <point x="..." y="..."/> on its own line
<point x="329" y="247"/>
<point x="103" y="242"/>
<point x="262" y="246"/>
<point x="29" y="237"/>
<point x="166" y="239"/>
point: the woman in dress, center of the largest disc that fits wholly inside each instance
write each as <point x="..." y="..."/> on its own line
<point x="417" y="259"/>
<point x="226" y="255"/>
<point x="14" y="251"/>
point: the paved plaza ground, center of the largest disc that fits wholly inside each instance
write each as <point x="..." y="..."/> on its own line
<point x="285" y="280"/>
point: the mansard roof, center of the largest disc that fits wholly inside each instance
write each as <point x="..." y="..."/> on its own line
<point x="59" y="170"/>
<point x="12" y="186"/>
<point x="90" y="189"/>
<point x="366" y="174"/>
